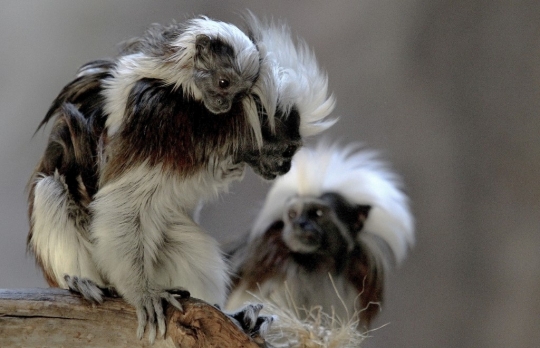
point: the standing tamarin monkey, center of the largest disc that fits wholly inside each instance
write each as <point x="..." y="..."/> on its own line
<point x="326" y="234"/>
<point x="137" y="142"/>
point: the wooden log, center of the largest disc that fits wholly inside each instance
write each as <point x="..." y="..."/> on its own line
<point x="57" y="318"/>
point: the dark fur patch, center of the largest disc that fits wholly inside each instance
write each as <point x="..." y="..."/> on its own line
<point x="353" y="216"/>
<point x="268" y="259"/>
<point x="72" y="145"/>
<point x="85" y="93"/>
<point x="279" y="146"/>
<point x="213" y="52"/>
<point x="165" y="127"/>
<point x="367" y="275"/>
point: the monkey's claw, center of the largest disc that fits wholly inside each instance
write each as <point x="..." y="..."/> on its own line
<point x="87" y="288"/>
<point x="248" y="319"/>
<point x="150" y="311"/>
<point x="179" y="292"/>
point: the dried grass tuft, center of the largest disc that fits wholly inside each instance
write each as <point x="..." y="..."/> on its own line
<point x="296" y="327"/>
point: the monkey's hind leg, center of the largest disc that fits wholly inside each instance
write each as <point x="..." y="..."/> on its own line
<point x="59" y="236"/>
<point x="88" y="289"/>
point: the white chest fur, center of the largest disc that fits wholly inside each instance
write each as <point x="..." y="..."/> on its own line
<point x="145" y="237"/>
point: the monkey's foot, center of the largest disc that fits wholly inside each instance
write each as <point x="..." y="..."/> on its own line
<point x="150" y="311"/>
<point x="87" y="288"/>
<point x="248" y="319"/>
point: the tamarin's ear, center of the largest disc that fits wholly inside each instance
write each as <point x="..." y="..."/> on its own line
<point x="202" y="43"/>
<point x="362" y="212"/>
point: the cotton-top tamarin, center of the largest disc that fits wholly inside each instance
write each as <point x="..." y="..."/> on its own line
<point x="326" y="234"/>
<point x="137" y="142"/>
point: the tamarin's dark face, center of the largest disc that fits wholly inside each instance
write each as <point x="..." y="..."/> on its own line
<point x="275" y="156"/>
<point x="322" y="225"/>
<point x="216" y="77"/>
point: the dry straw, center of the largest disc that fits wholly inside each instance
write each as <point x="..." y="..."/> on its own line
<point x="297" y="327"/>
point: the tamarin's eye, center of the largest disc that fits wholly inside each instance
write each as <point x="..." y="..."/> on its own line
<point x="319" y="212"/>
<point x="223" y="83"/>
<point x="292" y="214"/>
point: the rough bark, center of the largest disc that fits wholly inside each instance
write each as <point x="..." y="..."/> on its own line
<point x="58" y="318"/>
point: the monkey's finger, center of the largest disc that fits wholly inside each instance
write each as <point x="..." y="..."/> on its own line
<point x="141" y="320"/>
<point x="71" y="282"/>
<point x="251" y="314"/>
<point x="172" y="300"/>
<point x="160" y="316"/>
<point x="85" y="287"/>
<point x="263" y="325"/>
<point x="151" y="321"/>
<point x="90" y="290"/>
<point x="247" y="317"/>
<point x="257" y="309"/>
<point x="151" y="332"/>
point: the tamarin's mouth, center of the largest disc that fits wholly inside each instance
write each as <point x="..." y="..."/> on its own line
<point x="220" y="107"/>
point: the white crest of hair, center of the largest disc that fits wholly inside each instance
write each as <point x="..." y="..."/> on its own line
<point x="360" y="177"/>
<point x="266" y="86"/>
<point x="177" y="70"/>
<point x="157" y="245"/>
<point x="301" y="82"/>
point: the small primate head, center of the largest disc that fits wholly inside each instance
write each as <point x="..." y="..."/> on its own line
<point x="327" y="225"/>
<point x="303" y="104"/>
<point x="274" y="158"/>
<point x="217" y="75"/>
<point x="339" y="211"/>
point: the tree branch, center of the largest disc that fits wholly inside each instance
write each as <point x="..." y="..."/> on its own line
<point x="58" y="318"/>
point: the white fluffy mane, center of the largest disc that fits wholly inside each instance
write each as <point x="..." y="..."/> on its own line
<point x="301" y="83"/>
<point x="177" y="70"/>
<point x="358" y="176"/>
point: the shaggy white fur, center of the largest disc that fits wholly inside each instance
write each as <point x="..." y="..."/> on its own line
<point x="301" y="82"/>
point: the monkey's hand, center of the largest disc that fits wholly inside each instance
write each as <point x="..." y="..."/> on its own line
<point x="150" y="310"/>
<point x="250" y="322"/>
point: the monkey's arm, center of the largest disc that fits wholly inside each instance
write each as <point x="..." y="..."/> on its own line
<point x="128" y="240"/>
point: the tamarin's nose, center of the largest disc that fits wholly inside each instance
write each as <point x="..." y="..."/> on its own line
<point x="284" y="167"/>
<point x="304" y="224"/>
<point x="308" y="233"/>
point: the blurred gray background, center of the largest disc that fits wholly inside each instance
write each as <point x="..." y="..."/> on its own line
<point x="447" y="90"/>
